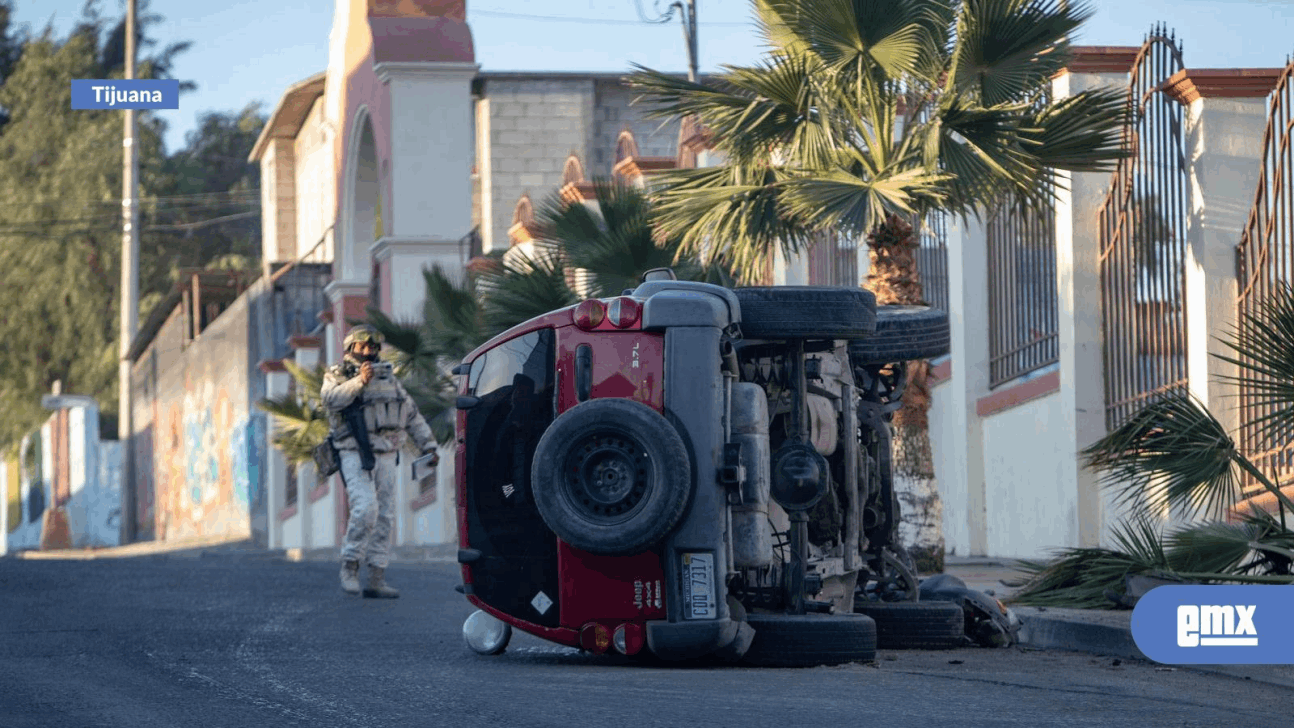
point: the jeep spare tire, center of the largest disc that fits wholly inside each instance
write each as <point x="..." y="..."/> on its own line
<point x="611" y="477"/>
<point x="903" y="333"/>
<point x="806" y="312"/>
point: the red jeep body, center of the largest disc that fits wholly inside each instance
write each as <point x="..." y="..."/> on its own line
<point x="665" y="354"/>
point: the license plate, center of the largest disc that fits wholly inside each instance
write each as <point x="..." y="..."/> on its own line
<point x="698" y="586"/>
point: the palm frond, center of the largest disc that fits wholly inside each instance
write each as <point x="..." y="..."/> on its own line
<point x="1213" y="547"/>
<point x="1008" y="49"/>
<point x="716" y="215"/>
<point x="1172" y="452"/>
<point x="452" y="318"/>
<point x="299" y="420"/>
<point x="405" y="337"/>
<point x="1264" y="343"/>
<point x="1080" y="577"/>
<point x="1080" y="133"/>
<point x="523" y="288"/>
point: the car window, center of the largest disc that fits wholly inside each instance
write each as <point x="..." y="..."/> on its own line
<point x="530" y="355"/>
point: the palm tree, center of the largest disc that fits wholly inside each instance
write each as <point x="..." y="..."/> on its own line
<point x="1175" y="455"/>
<point x="866" y="112"/>
<point x="300" y="423"/>
<point x="618" y="242"/>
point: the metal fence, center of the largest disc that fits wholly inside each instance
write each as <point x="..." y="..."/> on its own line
<point x="932" y="259"/>
<point x="833" y="261"/>
<point x="1023" y="331"/>
<point x="1143" y="242"/>
<point x="1264" y="264"/>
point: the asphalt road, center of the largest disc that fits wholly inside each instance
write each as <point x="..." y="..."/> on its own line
<point x="236" y="641"/>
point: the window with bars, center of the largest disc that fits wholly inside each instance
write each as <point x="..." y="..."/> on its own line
<point x="1022" y="303"/>
<point x="932" y="259"/>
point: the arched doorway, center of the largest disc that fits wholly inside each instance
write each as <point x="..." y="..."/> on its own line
<point x="363" y="224"/>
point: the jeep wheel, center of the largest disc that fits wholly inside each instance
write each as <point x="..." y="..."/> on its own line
<point x="806" y="312"/>
<point x="903" y="333"/>
<point x="915" y="625"/>
<point x="809" y="640"/>
<point x="611" y="476"/>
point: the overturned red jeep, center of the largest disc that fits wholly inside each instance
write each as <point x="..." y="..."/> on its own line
<point x="690" y="471"/>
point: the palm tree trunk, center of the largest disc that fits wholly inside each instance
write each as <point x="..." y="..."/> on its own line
<point x="894" y="278"/>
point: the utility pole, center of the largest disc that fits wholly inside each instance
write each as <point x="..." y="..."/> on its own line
<point x="129" y="294"/>
<point x="689" y="36"/>
<point x="687" y="14"/>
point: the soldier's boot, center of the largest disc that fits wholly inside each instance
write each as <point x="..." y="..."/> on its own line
<point x="377" y="588"/>
<point x="350" y="577"/>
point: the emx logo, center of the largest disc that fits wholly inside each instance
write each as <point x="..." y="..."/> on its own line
<point x="1216" y="625"/>
<point x="1208" y="625"/>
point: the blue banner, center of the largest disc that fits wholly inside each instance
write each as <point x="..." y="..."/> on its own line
<point x="89" y="93"/>
<point x="1216" y="625"/>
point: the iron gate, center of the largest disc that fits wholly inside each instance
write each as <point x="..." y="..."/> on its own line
<point x="1143" y="242"/>
<point x="1264" y="263"/>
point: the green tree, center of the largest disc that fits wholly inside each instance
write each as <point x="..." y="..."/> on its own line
<point x="59" y="231"/>
<point x="865" y="113"/>
<point x="202" y="204"/>
<point x="60" y="224"/>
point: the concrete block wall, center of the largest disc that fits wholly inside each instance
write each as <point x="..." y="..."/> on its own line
<point x="531" y="126"/>
<point x="616" y="112"/>
<point x="526" y="127"/>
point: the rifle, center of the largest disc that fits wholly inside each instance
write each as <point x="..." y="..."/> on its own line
<point x="353" y="416"/>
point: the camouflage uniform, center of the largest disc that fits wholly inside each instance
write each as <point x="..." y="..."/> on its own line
<point x="389" y="413"/>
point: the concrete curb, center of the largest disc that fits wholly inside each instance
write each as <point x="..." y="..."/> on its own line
<point x="1045" y="630"/>
<point x="1109" y="633"/>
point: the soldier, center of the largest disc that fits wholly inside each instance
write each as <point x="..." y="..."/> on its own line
<point x="369" y="413"/>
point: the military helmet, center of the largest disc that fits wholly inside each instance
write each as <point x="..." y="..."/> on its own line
<point x="362" y="334"/>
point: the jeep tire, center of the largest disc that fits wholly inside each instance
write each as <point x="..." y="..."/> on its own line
<point x="903" y="333"/>
<point x="611" y="476"/>
<point x="915" y="625"/>
<point x="809" y="640"/>
<point x="806" y="312"/>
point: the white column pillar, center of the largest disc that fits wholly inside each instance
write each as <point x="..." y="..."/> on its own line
<point x="1078" y="287"/>
<point x="405" y="259"/>
<point x="276" y="385"/>
<point x="1224" y="127"/>
<point x="431" y="164"/>
<point x="968" y="309"/>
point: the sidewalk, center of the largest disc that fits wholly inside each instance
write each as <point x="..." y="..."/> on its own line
<point x="1105" y="632"/>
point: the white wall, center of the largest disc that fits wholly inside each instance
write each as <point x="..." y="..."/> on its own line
<point x="950" y="470"/>
<point x="1031" y="505"/>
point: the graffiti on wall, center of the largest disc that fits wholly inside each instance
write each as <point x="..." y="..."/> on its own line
<point x="207" y="463"/>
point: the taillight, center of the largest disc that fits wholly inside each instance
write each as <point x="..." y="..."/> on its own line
<point x="623" y="312"/>
<point x="628" y="639"/>
<point x="590" y="314"/>
<point x="595" y="638"/>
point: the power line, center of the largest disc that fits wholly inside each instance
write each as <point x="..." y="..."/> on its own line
<point x="205" y="223"/>
<point x="589" y="21"/>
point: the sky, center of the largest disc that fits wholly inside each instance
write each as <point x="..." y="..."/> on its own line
<point x="247" y="51"/>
